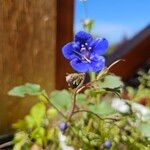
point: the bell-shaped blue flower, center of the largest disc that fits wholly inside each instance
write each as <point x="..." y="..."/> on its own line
<point x="85" y="53"/>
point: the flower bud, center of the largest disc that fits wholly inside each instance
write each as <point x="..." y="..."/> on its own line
<point x="63" y="126"/>
<point x="107" y="144"/>
<point x="73" y="79"/>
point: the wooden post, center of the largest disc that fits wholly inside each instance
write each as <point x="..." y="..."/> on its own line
<point x="27" y="44"/>
<point x="65" y="9"/>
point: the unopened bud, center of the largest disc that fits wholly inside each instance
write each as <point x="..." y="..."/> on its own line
<point x="73" y="79"/>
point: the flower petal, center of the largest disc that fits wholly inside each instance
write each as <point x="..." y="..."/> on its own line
<point x="83" y="37"/>
<point x="68" y="51"/>
<point x="99" y="46"/>
<point x="79" y="65"/>
<point x="97" y="63"/>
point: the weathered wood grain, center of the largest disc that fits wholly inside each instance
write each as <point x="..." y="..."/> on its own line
<point x="27" y="43"/>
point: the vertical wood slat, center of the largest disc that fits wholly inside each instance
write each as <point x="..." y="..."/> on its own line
<point x="65" y="11"/>
<point x="27" y="43"/>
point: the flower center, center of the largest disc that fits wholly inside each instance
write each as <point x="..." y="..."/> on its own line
<point x="85" y="46"/>
<point x="84" y="52"/>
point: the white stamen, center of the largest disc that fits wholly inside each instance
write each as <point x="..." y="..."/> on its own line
<point x="86" y="44"/>
<point x="83" y="48"/>
<point x="83" y="57"/>
<point x="89" y="48"/>
<point x="87" y="59"/>
<point x="82" y="45"/>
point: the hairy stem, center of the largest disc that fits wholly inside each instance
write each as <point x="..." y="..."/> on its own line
<point x="92" y="76"/>
<point x="88" y="111"/>
<point x="77" y="90"/>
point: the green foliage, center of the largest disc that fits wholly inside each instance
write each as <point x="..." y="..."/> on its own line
<point x="103" y="108"/>
<point x="90" y="118"/>
<point x="61" y="99"/>
<point x="110" y="81"/>
<point x="34" y="127"/>
<point x="144" y="128"/>
<point x="38" y="134"/>
<point x="28" y="88"/>
<point x="51" y="113"/>
<point x="20" y="139"/>
<point x="141" y="94"/>
<point x="38" y="113"/>
<point x="34" y="119"/>
<point x="81" y="99"/>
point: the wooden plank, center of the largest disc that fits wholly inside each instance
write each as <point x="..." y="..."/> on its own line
<point x="65" y="9"/>
<point x="27" y="43"/>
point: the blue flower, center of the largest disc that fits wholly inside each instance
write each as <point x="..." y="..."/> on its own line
<point x="85" y="53"/>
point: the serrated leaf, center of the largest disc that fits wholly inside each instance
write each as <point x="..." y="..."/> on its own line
<point x="28" y="88"/>
<point x="61" y="99"/>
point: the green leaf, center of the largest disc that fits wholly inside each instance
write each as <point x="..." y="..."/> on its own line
<point x="111" y="82"/>
<point x="21" y="124"/>
<point x="81" y="98"/>
<point x="28" y="88"/>
<point x="61" y="99"/>
<point x="26" y="146"/>
<point x="51" y="113"/>
<point x="38" y="113"/>
<point x="19" y="140"/>
<point x="144" y="128"/>
<point x="103" y="108"/>
<point x="38" y="134"/>
<point x="30" y="122"/>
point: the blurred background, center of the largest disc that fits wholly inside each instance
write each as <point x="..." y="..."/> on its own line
<point x="115" y="20"/>
<point x="33" y="32"/>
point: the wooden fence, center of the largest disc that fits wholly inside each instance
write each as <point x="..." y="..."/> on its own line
<point x="31" y="35"/>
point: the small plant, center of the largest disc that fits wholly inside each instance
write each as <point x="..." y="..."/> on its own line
<point x="142" y="93"/>
<point x="80" y="118"/>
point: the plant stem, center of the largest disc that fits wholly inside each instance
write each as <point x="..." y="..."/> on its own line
<point x="102" y="118"/>
<point x="61" y="113"/>
<point x="88" y="111"/>
<point x="114" y="63"/>
<point x="89" y="124"/>
<point x="93" y="76"/>
<point x="77" y="90"/>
